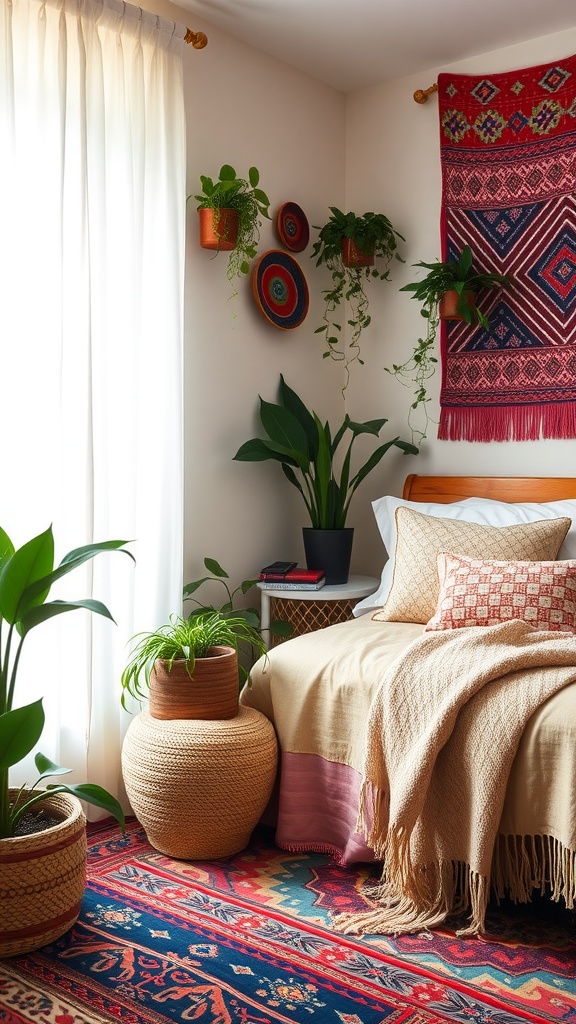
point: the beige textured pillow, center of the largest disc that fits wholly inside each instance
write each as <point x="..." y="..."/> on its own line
<point x="415" y="584"/>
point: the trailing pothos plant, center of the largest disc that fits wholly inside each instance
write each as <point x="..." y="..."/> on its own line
<point x="26" y="577"/>
<point x="373" y="236"/>
<point x="308" y="451"/>
<point x="230" y="192"/>
<point x="456" y="275"/>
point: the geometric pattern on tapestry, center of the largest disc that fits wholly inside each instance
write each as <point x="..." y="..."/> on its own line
<point x="508" y="153"/>
<point x="475" y="592"/>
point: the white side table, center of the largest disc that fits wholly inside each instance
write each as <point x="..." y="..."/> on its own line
<point x="307" y="610"/>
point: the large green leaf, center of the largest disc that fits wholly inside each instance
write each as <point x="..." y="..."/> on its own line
<point x="284" y="429"/>
<point x="48" y="611"/>
<point x="20" y="730"/>
<point x="323" y="469"/>
<point x="6" y="547"/>
<point x="71" y="561"/>
<point x="29" y="564"/>
<point x="291" y="401"/>
<point x="93" y="794"/>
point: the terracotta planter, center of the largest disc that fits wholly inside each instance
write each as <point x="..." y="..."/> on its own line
<point x="353" y="257"/>
<point x="42" y="878"/>
<point x="448" y="305"/>
<point x="212" y="693"/>
<point x="218" y="229"/>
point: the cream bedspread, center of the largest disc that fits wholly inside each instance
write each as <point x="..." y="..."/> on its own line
<point x="317" y="689"/>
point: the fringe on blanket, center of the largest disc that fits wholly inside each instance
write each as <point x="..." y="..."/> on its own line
<point x="522" y="865"/>
<point x="412" y="898"/>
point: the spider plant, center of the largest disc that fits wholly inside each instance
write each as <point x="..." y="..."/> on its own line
<point x="185" y="640"/>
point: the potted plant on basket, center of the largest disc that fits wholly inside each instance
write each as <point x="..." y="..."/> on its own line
<point x="307" y="450"/>
<point x="448" y="291"/>
<point x="189" y="667"/>
<point x="198" y="769"/>
<point x="354" y="249"/>
<point x="42" y="832"/>
<point x="229" y="212"/>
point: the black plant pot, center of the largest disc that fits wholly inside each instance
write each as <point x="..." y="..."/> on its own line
<point x="330" y="550"/>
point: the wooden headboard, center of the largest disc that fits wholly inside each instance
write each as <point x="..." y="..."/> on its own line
<point x="445" y="489"/>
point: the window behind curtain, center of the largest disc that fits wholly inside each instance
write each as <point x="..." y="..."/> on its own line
<point x="92" y="206"/>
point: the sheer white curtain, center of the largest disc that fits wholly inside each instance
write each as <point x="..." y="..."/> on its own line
<point x="92" y="208"/>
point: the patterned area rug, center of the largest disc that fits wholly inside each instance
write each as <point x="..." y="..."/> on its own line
<point x="248" y="941"/>
<point x="508" y="153"/>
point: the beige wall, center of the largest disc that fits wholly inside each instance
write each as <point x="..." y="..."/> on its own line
<point x="246" y="108"/>
<point x="376" y="149"/>
<point x="393" y="164"/>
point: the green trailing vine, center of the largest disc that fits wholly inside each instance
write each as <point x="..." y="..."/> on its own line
<point x="230" y="192"/>
<point x="456" y="275"/>
<point x="372" y="233"/>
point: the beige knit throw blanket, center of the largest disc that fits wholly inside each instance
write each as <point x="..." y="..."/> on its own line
<point x="443" y="730"/>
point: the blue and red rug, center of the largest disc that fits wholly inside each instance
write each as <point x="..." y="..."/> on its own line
<point x="248" y="941"/>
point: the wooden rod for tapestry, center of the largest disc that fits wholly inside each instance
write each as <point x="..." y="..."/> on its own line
<point x="197" y="39"/>
<point x="421" y="95"/>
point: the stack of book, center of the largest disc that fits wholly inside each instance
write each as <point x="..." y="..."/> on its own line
<point x="294" y="578"/>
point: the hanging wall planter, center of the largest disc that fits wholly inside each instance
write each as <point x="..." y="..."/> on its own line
<point x="447" y="291"/>
<point x="218" y="229"/>
<point x="353" y="256"/>
<point x="248" y="202"/>
<point x="354" y="249"/>
<point x="451" y="303"/>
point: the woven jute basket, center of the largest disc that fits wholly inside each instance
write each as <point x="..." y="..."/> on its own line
<point x="199" y="787"/>
<point x="42" y="878"/>
<point x="212" y="692"/>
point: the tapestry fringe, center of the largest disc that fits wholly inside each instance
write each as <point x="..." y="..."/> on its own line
<point x="508" y="423"/>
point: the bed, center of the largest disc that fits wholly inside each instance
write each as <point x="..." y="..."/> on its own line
<point x="330" y="697"/>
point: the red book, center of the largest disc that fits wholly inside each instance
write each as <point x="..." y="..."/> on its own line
<point x="295" y="576"/>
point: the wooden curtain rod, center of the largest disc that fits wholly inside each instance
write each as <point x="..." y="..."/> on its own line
<point x="421" y="95"/>
<point x="197" y="39"/>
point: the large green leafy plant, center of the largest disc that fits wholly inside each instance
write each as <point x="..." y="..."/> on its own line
<point x="453" y="275"/>
<point x="311" y="458"/>
<point x="26" y="577"/>
<point x="244" y="195"/>
<point x="373" y="235"/>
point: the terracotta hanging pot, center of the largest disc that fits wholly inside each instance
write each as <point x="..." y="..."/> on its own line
<point x="218" y="229"/>
<point x="211" y="693"/>
<point x="353" y="257"/>
<point x="448" y="305"/>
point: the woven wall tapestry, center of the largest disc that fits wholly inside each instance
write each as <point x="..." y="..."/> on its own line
<point x="508" y="154"/>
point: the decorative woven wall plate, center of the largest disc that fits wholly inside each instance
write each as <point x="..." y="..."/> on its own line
<point x="292" y="226"/>
<point x="280" y="289"/>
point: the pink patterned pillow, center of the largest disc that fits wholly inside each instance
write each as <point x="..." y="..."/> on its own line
<point x="476" y="592"/>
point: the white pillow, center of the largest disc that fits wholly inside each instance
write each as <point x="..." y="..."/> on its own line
<point x="470" y="510"/>
<point x="504" y="513"/>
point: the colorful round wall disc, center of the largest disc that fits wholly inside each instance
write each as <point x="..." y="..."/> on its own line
<point x="293" y="228"/>
<point x="280" y="289"/>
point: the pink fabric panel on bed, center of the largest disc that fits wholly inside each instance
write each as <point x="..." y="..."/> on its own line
<point x="318" y="807"/>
